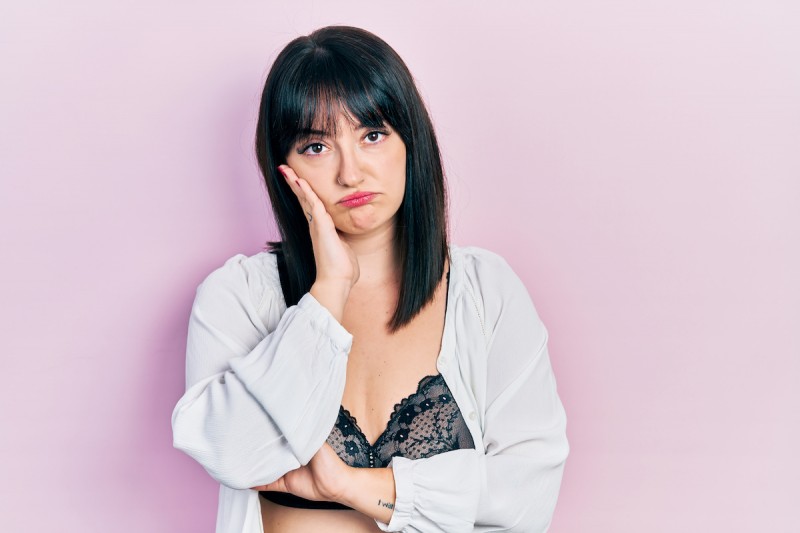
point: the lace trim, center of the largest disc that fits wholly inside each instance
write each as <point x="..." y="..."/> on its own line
<point x="424" y="384"/>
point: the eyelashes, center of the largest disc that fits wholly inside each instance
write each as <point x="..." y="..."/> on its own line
<point x="303" y="150"/>
<point x="319" y="145"/>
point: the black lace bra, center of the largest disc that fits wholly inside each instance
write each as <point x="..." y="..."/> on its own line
<point x="425" y="423"/>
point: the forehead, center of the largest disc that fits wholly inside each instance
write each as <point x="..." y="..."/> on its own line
<point x="329" y="121"/>
<point x="319" y="110"/>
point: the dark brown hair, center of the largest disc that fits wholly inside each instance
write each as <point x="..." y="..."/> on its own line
<point x="311" y="80"/>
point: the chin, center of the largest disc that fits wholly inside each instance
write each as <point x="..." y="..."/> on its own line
<point x="360" y="226"/>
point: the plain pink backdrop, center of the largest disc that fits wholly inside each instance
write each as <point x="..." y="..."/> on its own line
<point x="636" y="162"/>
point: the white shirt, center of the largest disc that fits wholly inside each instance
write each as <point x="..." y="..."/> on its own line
<point x="264" y="385"/>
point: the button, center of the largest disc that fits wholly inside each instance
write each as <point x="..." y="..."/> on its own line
<point x="473" y="416"/>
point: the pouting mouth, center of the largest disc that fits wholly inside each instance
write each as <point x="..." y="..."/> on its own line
<point x="356" y="195"/>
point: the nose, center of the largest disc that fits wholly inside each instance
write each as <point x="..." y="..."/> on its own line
<point x="350" y="174"/>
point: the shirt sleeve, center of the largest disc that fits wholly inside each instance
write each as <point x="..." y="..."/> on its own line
<point x="257" y="403"/>
<point x="514" y="485"/>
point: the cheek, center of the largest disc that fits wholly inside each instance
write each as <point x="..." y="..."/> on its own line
<point x="401" y="173"/>
<point x="316" y="177"/>
<point x="399" y="163"/>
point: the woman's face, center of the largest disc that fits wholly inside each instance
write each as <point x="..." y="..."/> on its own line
<point x="365" y="160"/>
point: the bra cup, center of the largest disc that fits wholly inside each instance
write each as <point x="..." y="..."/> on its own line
<point x="423" y="424"/>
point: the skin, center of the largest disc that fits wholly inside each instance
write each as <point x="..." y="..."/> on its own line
<point x="363" y="160"/>
<point x="354" y="257"/>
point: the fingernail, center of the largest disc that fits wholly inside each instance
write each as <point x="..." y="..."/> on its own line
<point x="281" y="171"/>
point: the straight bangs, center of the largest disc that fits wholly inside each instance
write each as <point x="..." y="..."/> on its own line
<point x="322" y="88"/>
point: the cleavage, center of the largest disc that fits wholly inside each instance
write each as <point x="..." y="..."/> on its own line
<point x="423" y="385"/>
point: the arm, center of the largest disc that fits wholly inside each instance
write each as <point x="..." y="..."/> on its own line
<point x="526" y="452"/>
<point x="257" y="404"/>
<point x="514" y="486"/>
<point x="371" y="492"/>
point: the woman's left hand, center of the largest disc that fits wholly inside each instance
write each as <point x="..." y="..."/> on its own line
<point x="325" y="477"/>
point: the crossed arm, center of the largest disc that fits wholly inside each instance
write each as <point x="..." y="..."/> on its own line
<point x="260" y="404"/>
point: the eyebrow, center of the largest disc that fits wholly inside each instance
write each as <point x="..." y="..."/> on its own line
<point x="310" y="132"/>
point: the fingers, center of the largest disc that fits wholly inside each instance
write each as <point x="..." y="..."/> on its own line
<point x="309" y="201"/>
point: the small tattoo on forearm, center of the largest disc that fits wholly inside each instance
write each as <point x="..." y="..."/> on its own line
<point x="385" y="504"/>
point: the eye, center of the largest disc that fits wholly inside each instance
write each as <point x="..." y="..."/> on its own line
<point x="373" y="136"/>
<point x="316" y="149"/>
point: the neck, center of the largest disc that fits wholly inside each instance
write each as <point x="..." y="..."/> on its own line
<point x="377" y="262"/>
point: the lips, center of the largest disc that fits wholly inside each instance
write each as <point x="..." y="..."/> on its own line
<point x="355" y="196"/>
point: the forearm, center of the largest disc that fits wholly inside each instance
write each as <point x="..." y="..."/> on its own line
<point x="234" y="418"/>
<point x="371" y="492"/>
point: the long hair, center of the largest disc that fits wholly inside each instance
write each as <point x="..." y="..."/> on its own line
<point x="311" y="80"/>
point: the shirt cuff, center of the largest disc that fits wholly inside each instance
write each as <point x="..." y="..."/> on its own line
<point x="320" y="316"/>
<point x="404" y="494"/>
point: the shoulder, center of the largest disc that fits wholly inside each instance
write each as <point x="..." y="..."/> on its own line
<point x="243" y="279"/>
<point x="488" y="274"/>
<point x="478" y="260"/>
<point x="499" y="292"/>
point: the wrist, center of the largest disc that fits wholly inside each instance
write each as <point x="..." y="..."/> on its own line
<point x="371" y="491"/>
<point x="331" y="295"/>
<point x="347" y="479"/>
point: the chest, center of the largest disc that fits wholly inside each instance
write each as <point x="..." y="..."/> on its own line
<point x="385" y="368"/>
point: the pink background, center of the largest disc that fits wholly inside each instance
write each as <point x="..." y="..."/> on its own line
<point x="637" y="163"/>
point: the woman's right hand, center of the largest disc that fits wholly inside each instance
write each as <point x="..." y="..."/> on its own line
<point x="336" y="262"/>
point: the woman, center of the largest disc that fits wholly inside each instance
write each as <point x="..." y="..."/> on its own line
<point x="365" y="374"/>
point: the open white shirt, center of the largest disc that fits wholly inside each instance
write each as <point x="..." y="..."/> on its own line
<point x="264" y="385"/>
